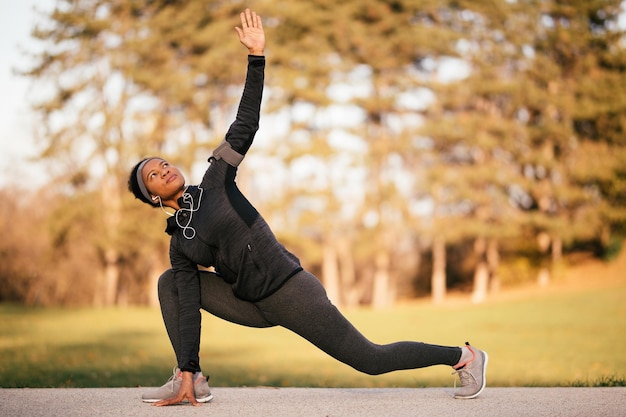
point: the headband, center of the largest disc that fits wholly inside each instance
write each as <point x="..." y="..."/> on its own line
<point x="142" y="185"/>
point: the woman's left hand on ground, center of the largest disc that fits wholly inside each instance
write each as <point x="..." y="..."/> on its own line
<point x="185" y="392"/>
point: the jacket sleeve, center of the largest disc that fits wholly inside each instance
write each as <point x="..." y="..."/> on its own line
<point x="189" y="318"/>
<point x="241" y="133"/>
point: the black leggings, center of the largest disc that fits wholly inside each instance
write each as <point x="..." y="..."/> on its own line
<point x="301" y="305"/>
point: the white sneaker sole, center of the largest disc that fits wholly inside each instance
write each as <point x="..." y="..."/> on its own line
<point x="200" y="400"/>
<point x="205" y="399"/>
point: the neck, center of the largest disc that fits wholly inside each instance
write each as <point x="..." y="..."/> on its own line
<point x="172" y="202"/>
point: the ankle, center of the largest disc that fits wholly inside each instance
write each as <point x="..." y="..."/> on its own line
<point x="467" y="355"/>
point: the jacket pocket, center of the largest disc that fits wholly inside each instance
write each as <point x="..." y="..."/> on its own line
<point x="224" y="270"/>
<point x="252" y="282"/>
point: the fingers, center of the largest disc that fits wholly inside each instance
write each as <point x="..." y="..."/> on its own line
<point x="184" y="393"/>
<point x="250" y="19"/>
<point x="176" y="400"/>
<point x="169" y="401"/>
<point x="251" y="33"/>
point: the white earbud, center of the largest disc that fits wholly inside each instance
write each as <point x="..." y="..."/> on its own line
<point x="158" y="198"/>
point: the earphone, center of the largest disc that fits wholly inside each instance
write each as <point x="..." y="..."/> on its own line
<point x="158" y="198"/>
<point x="188" y="231"/>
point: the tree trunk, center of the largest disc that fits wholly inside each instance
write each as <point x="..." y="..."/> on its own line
<point x="481" y="274"/>
<point x="112" y="203"/>
<point x="438" y="279"/>
<point x="111" y="277"/>
<point x="493" y="260"/>
<point x="350" y="291"/>
<point x="157" y="267"/>
<point x="557" y="249"/>
<point x="381" y="296"/>
<point x="543" y="278"/>
<point x="330" y="273"/>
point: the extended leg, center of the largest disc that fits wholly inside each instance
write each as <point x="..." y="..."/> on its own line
<point x="302" y="306"/>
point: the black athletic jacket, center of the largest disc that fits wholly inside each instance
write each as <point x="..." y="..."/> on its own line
<point x="217" y="226"/>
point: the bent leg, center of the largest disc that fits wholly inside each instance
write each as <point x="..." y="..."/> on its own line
<point x="303" y="307"/>
<point x="216" y="297"/>
<point x="168" y="301"/>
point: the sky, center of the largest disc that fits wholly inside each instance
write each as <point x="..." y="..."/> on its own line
<point x="17" y="18"/>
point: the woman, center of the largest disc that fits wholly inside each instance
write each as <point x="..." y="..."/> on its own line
<point x="258" y="283"/>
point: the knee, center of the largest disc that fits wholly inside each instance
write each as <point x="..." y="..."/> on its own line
<point x="166" y="282"/>
<point x="370" y="369"/>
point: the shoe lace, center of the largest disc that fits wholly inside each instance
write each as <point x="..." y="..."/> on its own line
<point x="172" y="378"/>
<point x="465" y="376"/>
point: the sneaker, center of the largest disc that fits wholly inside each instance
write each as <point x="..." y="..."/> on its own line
<point x="472" y="374"/>
<point x="170" y="388"/>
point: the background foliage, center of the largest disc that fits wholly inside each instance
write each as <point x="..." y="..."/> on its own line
<point x="406" y="148"/>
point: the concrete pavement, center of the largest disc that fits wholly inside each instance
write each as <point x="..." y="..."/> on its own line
<point x="320" y="402"/>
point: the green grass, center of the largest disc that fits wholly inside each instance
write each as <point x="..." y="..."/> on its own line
<point x="567" y="339"/>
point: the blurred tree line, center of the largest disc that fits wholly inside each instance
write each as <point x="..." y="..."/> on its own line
<point x="406" y="147"/>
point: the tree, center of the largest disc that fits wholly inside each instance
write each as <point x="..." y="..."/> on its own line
<point x="574" y="122"/>
<point x="127" y="79"/>
<point x="409" y="36"/>
<point x="469" y="139"/>
<point x="83" y="117"/>
<point x="20" y="279"/>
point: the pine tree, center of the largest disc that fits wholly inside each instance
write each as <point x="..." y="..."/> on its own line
<point x="573" y="108"/>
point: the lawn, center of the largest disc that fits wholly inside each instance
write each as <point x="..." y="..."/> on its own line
<point x="569" y="338"/>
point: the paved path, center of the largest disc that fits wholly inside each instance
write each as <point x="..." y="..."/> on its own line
<point x="320" y="402"/>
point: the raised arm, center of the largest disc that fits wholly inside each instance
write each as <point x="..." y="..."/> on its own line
<point x="241" y="133"/>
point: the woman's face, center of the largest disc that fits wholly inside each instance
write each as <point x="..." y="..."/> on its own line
<point x="162" y="179"/>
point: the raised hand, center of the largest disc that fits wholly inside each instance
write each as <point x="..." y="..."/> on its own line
<point x="251" y="33"/>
